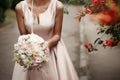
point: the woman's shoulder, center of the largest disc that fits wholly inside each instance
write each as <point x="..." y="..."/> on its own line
<point x="59" y="5"/>
<point x="18" y="7"/>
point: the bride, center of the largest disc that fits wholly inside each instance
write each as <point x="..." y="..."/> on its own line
<point x="47" y="17"/>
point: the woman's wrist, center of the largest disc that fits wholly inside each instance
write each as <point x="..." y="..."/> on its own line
<point x="47" y="43"/>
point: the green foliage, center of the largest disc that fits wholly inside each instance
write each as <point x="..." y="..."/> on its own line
<point x="66" y="11"/>
<point x="117" y="1"/>
<point x="98" y="41"/>
<point x="114" y="30"/>
<point x="64" y="1"/>
<point x="87" y="2"/>
<point x="2" y="16"/>
<point x="101" y="31"/>
<point x="73" y="1"/>
<point x="4" y="5"/>
<point x="14" y="2"/>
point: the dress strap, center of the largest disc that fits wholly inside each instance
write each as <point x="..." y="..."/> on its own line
<point x="23" y="6"/>
<point x="53" y="8"/>
<point x="24" y="9"/>
<point x="32" y="18"/>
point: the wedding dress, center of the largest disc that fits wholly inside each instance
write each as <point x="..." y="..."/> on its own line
<point x="60" y="66"/>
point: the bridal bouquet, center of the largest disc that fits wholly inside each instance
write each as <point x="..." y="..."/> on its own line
<point x="107" y="13"/>
<point x="30" y="51"/>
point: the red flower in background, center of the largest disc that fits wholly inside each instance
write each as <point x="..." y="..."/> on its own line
<point x="108" y="16"/>
<point x="110" y="43"/>
<point x="79" y="16"/>
<point x="89" y="11"/>
<point x="107" y="12"/>
<point x="103" y="2"/>
<point x="89" y="47"/>
<point x="96" y="2"/>
<point x="104" y="17"/>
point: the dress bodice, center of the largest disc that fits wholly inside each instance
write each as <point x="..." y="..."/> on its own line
<point x="45" y="26"/>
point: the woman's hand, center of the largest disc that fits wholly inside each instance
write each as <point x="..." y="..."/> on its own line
<point x="45" y="45"/>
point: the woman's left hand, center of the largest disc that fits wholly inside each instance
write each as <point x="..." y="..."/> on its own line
<point x="45" y="45"/>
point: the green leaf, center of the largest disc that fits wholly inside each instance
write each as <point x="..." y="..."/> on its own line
<point x="96" y="40"/>
<point x="95" y="49"/>
<point x="66" y="11"/>
<point x="87" y="1"/>
<point x="101" y="31"/>
<point x="100" y="41"/>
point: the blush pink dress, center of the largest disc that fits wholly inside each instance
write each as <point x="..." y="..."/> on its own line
<point x="60" y="66"/>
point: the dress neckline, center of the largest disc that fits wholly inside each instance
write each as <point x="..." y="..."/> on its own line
<point x="38" y="16"/>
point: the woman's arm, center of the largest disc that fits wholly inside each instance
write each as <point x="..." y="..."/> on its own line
<point x="20" y="19"/>
<point x="58" y="25"/>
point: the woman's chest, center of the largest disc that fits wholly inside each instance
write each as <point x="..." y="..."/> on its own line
<point x="42" y="21"/>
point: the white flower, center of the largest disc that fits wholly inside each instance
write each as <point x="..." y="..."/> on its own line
<point x="22" y="56"/>
<point x="30" y="51"/>
<point x="20" y="51"/>
<point x="25" y="61"/>
<point x="41" y="53"/>
<point x="38" y="60"/>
